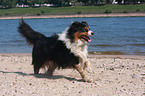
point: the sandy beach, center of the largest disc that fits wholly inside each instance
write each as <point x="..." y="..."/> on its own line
<point x="77" y="15"/>
<point x="114" y="75"/>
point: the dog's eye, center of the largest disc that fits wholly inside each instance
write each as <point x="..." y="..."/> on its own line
<point x="83" y="30"/>
<point x="87" y="28"/>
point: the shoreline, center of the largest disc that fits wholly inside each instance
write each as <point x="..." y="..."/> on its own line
<point x="77" y="16"/>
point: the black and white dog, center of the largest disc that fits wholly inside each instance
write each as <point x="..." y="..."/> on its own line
<point x="65" y="50"/>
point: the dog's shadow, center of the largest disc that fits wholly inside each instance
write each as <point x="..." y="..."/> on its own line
<point x="45" y="76"/>
<point x="56" y="77"/>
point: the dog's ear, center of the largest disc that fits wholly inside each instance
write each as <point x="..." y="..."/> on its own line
<point x="75" y="24"/>
<point x="85" y="23"/>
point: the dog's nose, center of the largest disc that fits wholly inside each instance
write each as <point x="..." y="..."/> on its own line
<point x="92" y="33"/>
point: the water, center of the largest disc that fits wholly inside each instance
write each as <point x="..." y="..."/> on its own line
<point x="113" y="35"/>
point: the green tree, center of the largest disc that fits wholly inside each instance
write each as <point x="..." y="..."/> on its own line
<point x="84" y="1"/>
<point x="56" y="2"/>
<point x="109" y="1"/>
<point x="6" y="3"/>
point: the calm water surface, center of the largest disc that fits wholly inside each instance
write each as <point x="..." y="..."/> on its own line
<point x="119" y="35"/>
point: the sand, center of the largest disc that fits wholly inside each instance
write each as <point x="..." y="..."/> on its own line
<point x="114" y="75"/>
<point x="77" y="15"/>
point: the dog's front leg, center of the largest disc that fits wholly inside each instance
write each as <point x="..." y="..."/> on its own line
<point x="82" y="73"/>
<point x="87" y="66"/>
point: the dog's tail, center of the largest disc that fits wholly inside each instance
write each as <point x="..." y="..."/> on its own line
<point x="30" y="35"/>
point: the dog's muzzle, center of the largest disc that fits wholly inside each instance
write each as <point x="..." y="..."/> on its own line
<point x="90" y="33"/>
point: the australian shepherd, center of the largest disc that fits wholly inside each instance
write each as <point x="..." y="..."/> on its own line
<point x="68" y="49"/>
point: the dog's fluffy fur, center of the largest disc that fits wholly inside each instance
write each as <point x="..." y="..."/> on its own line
<point x="65" y="50"/>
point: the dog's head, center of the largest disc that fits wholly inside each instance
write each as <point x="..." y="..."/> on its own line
<point x="80" y="31"/>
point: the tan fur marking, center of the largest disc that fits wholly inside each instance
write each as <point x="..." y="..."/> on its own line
<point x="77" y="35"/>
<point x="82" y="73"/>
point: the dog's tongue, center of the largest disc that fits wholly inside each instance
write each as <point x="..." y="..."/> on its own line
<point x="86" y="38"/>
<point x="89" y="40"/>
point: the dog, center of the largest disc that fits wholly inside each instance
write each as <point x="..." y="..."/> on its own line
<point x="65" y="50"/>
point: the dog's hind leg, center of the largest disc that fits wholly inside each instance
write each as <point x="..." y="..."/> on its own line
<point x="51" y="68"/>
<point x="36" y="69"/>
<point x="82" y="73"/>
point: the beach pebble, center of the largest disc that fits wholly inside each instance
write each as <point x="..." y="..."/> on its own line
<point x="134" y="76"/>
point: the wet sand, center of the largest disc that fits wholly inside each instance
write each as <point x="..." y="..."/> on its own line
<point x="114" y="75"/>
<point x="77" y="15"/>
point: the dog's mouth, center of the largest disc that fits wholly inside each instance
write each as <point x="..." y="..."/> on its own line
<point x="86" y="38"/>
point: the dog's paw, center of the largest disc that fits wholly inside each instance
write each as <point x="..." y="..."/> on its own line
<point x="88" y="80"/>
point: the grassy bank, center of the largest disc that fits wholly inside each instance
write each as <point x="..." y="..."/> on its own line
<point x="73" y="10"/>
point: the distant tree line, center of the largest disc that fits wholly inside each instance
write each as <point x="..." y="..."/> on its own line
<point x="13" y="3"/>
<point x="102" y="2"/>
